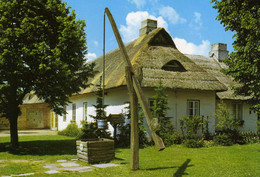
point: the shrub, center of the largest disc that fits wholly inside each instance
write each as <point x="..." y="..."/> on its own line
<point x="250" y="137"/>
<point x="190" y="126"/>
<point x="226" y="121"/>
<point x="205" y="128"/>
<point x="71" y="130"/>
<point x="192" y="143"/>
<point x="123" y="138"/>
<point x="176" y="138"/>
<point x="143" y="141"/>
<point x="90" y="130"/>
<point x="223" y="139"/>
<point x="208" y="143"/>
<point x="258" y="126"/>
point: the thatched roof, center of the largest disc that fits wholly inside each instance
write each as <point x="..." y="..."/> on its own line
<point x="31" y="98"/>
<point x="149" y="54"/>
<point x="213" y="66"/>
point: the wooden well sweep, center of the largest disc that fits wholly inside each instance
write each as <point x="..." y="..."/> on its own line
<point x="95" y="150"/>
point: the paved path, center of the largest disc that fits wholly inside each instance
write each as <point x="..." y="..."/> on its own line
<point x="4" y="133"/>
<point x="62" y="166"/>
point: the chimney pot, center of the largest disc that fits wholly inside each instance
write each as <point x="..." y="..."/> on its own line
<point x="147" y="26"/>
<point x="219" y="51"/>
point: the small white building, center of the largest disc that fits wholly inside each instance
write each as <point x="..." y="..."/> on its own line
<point x="194" y="83"/>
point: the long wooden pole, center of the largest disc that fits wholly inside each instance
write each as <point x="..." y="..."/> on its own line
<point x="137" y="87"/>
<point x="134" y="141"/>
<point x="104" y="63"/>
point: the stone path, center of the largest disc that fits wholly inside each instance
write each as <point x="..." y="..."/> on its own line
<point x="68" y="166"/>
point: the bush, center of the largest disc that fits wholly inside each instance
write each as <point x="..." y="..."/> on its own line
<point x="206" y="135"/>
<point x="223" y="140"/>
<point x="208" y="143"/>
<point x="250" y="137"/>
<point x="190" y="126"/>
<point x="123" y="138"/>
<point x="176" y="138"/>
<point x="226" y="120"/>
<point x="192" y="143"/>
<point x="90" y="130"/>
<point x="258" y="126"/>
<point x="71" y="130"/>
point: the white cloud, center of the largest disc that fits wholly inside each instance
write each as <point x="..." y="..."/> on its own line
<point x="133" y="24"/>
<point x="171" y="14"/>
<point x="190" y="48"/>
<point x="196" y="22"/>
<point x="95" y="43"/>
<point x="138" y="3"/>
<point x="197" y="17"/>
<point x="91" y="56"/>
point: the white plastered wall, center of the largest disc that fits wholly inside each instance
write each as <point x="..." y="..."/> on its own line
<point x="249" y="116"/>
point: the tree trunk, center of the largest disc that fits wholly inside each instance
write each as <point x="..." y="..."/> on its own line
<point x="13" y="130"/>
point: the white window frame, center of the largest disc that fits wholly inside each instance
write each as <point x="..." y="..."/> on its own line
<point x="195" y="107"/>
<point x="237" y="110"/>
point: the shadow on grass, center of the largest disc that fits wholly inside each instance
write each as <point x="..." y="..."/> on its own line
<point x="181" y="171"/>
<point x="42" y="147"/>
<point x="161" y="168"/>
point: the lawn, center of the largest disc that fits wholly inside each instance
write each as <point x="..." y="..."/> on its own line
<point x="37" y="151"/>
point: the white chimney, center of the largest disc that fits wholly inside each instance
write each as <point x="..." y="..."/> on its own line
<point x="147" y="26"/>
<point x="219" y="51"/>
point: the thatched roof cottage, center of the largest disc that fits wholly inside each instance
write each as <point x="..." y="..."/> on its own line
<point x="194" y="83"/>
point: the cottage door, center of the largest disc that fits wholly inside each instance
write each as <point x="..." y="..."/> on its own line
<point x="54" y="121"/>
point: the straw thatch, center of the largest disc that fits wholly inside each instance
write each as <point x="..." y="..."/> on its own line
<point x="148" y="54"/>
<point x="31" y="98"/>
<point x="213" y="66"/>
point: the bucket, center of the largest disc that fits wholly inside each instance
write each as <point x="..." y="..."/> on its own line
<point x="102" y="124"/>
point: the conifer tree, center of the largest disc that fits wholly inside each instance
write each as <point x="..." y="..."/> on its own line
<point x="100" y="107"/>
<point x="159" y="110"/>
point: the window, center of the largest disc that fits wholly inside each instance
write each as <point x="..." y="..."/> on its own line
<point x="85" y="108"/>
<point x="193" y="107"/>
<point x="237" y="110"/>
<point x="64" y="114"/>
<point x="74" y="111"/>
<point x="151" y="103"/>
<point x="173" y="65"/>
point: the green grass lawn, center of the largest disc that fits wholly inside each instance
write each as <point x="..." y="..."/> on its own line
<point x="37" y="151"/>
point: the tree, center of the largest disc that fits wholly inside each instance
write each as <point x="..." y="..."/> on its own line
<point x="100" y="113"/>
<point x="159" y="110"/>
<point x="243" y="18"/>
<point x="42" y="48"/>
<point x="100" y="107"/>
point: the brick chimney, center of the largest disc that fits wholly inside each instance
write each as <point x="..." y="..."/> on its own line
<point x="147" y="26"/>
<point x="219" y="51"/>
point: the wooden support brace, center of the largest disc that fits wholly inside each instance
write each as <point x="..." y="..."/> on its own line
<point x="134" y="141"/>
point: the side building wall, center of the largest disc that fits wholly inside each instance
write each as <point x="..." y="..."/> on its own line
<point x="34" y="116"/>
<point x="248" y="116"/>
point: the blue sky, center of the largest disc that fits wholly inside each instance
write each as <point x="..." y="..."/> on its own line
<point x="191" y="23"/>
